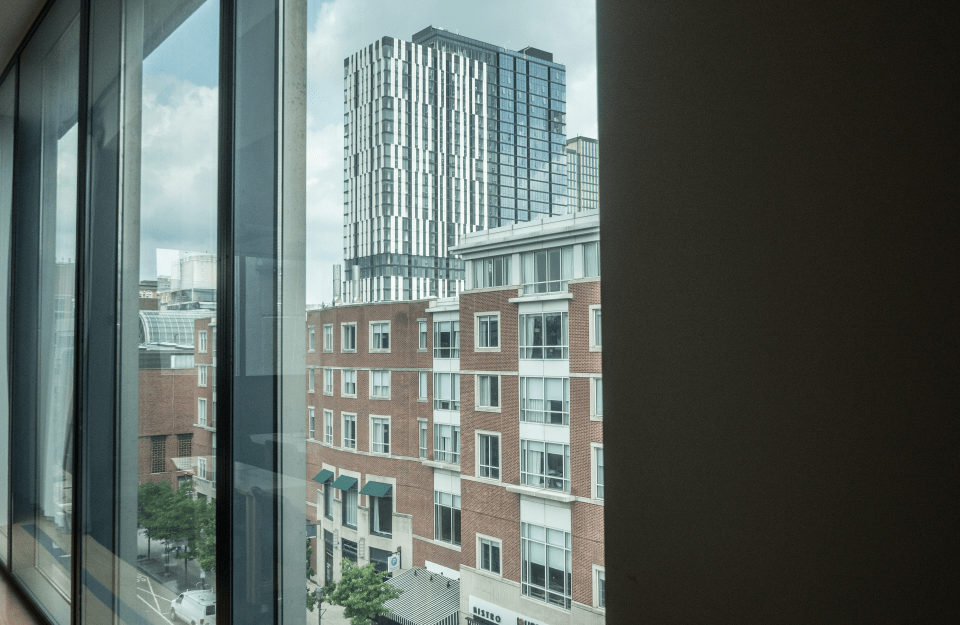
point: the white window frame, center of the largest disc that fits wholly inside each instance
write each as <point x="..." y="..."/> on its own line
<point x="423" y="386"/>
<point x="476" y="447"/>
<point x="456" y="503"/>
<point x="595" y="449"/>
<point x="594" y="310"/>
<point x="201" y="467"/>
<point x="525" y="587"/>
<point x="201" y="375"/>
<point x="328" y="337"/>
<point x="423" y="331"/>
<point x="373" y="374"/>
<point x="370" y="341"/>
<point x="558" y="352"/>
<point x="477" y="405"/>
<point x="311" y="380"/>
<point x="343" y="330"/>
<point x="343" y="383"/>
<point x="453" y="351"/>
<point x="311" y="423"/>
<point x="202" y="341"/>
<point x="452" y="455"/>
<point x="344" y="416"/>
<point x="423" y="438"/>
<point x="545" y="477"/>
<point x="370" y="428"/>
<point x="328" y="381"/>
<point x="594" y="383"/>
<point x="311" y="339"/>
<point x="476" y="331"/>
<point x="202" y="411"/>
<point x="598" y="572"/>
<point x="491" y="539"/>
<point x="328" y="427"/>
<point x="528" y="410"/>
<point x="454" y="399"/>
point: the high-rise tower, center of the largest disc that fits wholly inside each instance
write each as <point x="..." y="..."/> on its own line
<point x="443" y="136"/>
<point x="583" y="174"/>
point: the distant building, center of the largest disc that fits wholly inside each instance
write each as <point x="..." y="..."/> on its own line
<point x="583" y="174"/>
<point x="192" y="284"/>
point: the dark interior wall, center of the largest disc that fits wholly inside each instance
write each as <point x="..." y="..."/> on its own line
<point x="779" y="198"/>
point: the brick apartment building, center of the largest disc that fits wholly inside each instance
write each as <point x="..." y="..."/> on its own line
<point x="466" y="433"/>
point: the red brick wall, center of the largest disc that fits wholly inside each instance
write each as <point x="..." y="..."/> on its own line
<point x="587" y="543"/>
<point x="582" y="360"/>
<point x="492" y="511"/>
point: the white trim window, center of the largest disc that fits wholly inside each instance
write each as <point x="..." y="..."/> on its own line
<point x="488" y="456"/>
<point x="201" y="375"/>
<point x="202" y="468"/>
<point x="598" y="397"/>
<point x="546" y="564"/>
<point x="202" y="341"/>
<point x="493" y="271"/>
<point x="487" y="331"/>
<point x="598" y="472"/>
<point x="596" y="334"/>
<point x="348" y="382"/>
<point x="328" y="381"/>
<point x="312" y="422"/>
<point x="380" y="385"/>
<point x="311" y="380"/>
<point x="599" y="587"/>
<point x="328" y="501"/>
<point x="349" y="431"/>
<point x="381" y="515"/>
<point x="422" y="339"/>
<point x="545" y="465"/>
<point x="446" y="443"/>
<point x="446" y="391"/>
<point x="422" y="426"/>
<point x="488" y="391"/>
<point x="380" y="435"/>
<point x="424" y="391"/>
<point x="202" y="411"/>
<point x="545" y="400"/>
<point x="328" y="337"/>
<point x="488" y="554"/>
<point x="446" y="339"/>
<point x="591" y="259"/>
<point x="348" y="516"/>
<point x="328" y="427"/>
<point x="446" y="517"/>
<point x="544" y="336"/>
<point x="348" y="337"/>
<point x="311" y="338"/>
<point x="547" y="271"/>
<point x="379" y="337"/>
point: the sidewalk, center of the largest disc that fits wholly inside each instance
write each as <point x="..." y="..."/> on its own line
<point x="172" y="577"/>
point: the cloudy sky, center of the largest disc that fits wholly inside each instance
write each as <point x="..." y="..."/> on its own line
<point x="180" y="94"/>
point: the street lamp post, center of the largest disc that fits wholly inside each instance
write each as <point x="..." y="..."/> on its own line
<point x="320" y="605"/>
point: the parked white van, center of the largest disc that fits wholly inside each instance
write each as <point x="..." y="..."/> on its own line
<point x="197" y="607"/>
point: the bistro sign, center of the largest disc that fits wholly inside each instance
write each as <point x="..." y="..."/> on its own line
<point x="496" y="614"/>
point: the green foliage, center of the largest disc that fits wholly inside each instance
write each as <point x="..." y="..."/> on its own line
<point x="311" y="597"/>
<point x="362" y="591"/>
<point x="168" y="514"/>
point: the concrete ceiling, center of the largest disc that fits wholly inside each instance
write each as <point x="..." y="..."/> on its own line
<point x="16" y="17"/>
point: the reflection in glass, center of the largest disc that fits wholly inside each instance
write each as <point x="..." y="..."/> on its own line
<point x="7" y="109"/>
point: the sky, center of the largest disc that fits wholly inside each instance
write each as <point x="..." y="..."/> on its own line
<point x="178" y="199"/>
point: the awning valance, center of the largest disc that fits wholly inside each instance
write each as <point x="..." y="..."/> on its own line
<point x="345" y="482"/>
<point x="323" y="477"/>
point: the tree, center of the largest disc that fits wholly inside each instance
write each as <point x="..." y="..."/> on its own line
<point x="311" y="597"/>
<point x="153" y="501"/>
<point x="362" y="591"/>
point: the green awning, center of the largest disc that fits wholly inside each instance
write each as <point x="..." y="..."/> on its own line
<point x="345" y="482"/>
<point x="375" y="489"/>
<point x="323" y="477"/>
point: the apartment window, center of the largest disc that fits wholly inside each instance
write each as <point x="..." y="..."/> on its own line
<point x="328" y="337"/>
<point x="381" y="515"/>
<point x="202" y="411"/>
<point x="591" y="259"/>
<point x="349" y="549"/>
<point x="446" y="339"/>
<point x="547" y="271"/>
<point x="488" y="456"/>
<point x="488" y="550"/>
<point x="310" y="380"/>
<point x="599" y="586"/>
<point x="595" y="328"/>
<point x="545" y="400"/>
<point x="488" y="391"/>
<point x="348" y="508"/>
<point x="312" y="425"/>
<point x="446" y="391"/>
<point x="446" y="519"/>
<point x="349" y="378"/>
<point x="546" y="564"/>
<point x="493" y="271"/>
<point x="488" y="331"/>
<point x="349" y="431"/>
<point x="328" y="427"/>
<point x="446" y="443"/>
<point x="423" y="394"/>
<point x="545" y="465"/>
<point x="423" y="438"/>
<point x="184" y="445"/>
<point x="312" y="338"/>
<point x="158" y="455"/>
<point x="544" y="336"/>
<point x="598" y="472"/>
<point x="328" y="501"/>
<point x="201" y="375"/>
<point x="202" y="341"/>
<point x="202" y="468"/>
<point x="348" y="337"/>
<point x="380" y="435"/>
<point x="422" y="345"/>
<point x="379" y="336"/>
<point x="328" y="381"/>
<point x="380" y="384"/>
<point x="598" y="397"/>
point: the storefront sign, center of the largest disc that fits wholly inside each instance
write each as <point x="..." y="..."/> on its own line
<point x="499" y="615"/>
<point x="393" y="562"/>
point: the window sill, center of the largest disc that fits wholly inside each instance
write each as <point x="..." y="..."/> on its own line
<point x="380" y="398"/>
<point x="596" y="417"/>
<point x="439" y="543"/>
<point x="496" y="481"/>
<point x="541" y="297"/>
<point x="379" y="351"/>
<point x="486" y="409"/>
<point x="542" y="493"/>
<point x="208" y="428"/>
<point x="346" y="396"/>
<point x="436" y="464"/>
<point x="487" y="350"/>
<point x="330" y="394"/>
<point x="444" y="308"/>
<point x="596" y="349"/>
<point x="348" y="351"/>
<point x="328" y="351"/>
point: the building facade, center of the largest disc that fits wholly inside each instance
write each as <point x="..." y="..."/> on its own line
<point x="443" y="136"/>
<point x="465" y="433"/>
<point x="583" y="182"/>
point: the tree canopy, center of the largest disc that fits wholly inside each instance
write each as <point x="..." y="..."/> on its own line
<point x="362" y="591"/>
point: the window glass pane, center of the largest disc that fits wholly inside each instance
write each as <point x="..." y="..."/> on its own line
<point x="7" y="102"/>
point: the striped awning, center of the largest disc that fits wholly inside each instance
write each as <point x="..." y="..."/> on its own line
<point x="345" y="482"/>
<point x="427" y="599"/>
<point x="323" y="476"/>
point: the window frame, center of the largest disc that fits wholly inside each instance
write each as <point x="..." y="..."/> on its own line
<point x="594" y="312"/>
<point x="599" y="573"/>
<point x="479" y="559"/>
<point x="455" y="444"/>
<point x="477" y="404"/>
<point x="545" y="477"/>
<point x="328" y="426"/>
<point x="343" y="329"/>
<point x="453" y="350"/>
<point x="596" y="393"/>
<point x="456" y="503"/>
<point x="371" y="428"/>
<point x="525" y="581"/>
<point x="565" y="408"/>
<point x="454" y="400"/>
<point x="477" y="317"/>
<point x="524" y="342"/>
<point x="372" y="375"/>
<point x="202" y="376"/>
<point x="343" y="383"/>
<point x="423" y="438"/>
<point x="372" y="334"/>
<point x="344" y="418"/>
<point x="201" y="467"/>
<point x="202" y="411"/>
<point x="328" y="338"/>
<point x="328" y="381"/>
<point x="423" y="335"/>
<point x="478" y="466"/>
<point x="202" y="341"/>
<point x="311" y="423"/>
<point x="596" y="488"/>
<point x="423" y="386"/>
<point x="311" y="339"/>
<point x="311" y="380"/>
